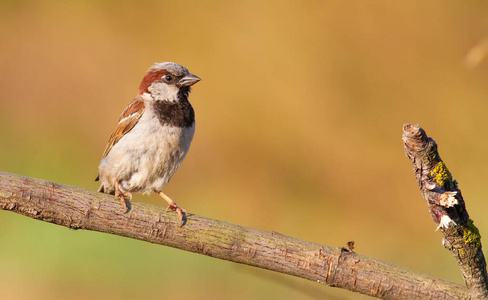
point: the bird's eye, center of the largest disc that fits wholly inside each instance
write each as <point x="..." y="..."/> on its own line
<point x="168" y="77"/>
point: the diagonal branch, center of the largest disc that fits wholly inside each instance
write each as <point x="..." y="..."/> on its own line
<point x="79" y="208"/>
<point x="447" y="208"/>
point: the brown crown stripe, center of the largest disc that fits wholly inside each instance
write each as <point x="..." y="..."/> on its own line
<point x="149" y="78"/>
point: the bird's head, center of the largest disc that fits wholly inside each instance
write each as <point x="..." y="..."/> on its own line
<point x="167" y="81"/>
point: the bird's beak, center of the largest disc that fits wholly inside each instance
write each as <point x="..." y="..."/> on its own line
<point x="189" y="80"/>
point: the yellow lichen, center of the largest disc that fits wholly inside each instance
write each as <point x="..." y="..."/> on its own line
<point x="471" y="233"/>
<point x="441" y="174"/>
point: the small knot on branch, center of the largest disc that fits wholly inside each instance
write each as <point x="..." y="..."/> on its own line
<point x="415" y="138"/>
<point x="448" y="199"/>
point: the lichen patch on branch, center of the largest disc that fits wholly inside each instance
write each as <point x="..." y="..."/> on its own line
<point x="471" y="234"/>
<point x="441" y="174"/>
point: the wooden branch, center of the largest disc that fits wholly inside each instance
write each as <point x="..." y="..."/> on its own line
<point x="447" y="208"/>
<point x="79" y="208"/>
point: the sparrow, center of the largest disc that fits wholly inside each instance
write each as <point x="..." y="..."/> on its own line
<point x="152" y="137"/>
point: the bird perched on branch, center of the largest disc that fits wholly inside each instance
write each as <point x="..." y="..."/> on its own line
<point x="152" y="137"/>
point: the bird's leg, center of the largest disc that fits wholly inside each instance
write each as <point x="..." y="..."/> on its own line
<point x="172" y="205"/>
<point x="121" y="196"/>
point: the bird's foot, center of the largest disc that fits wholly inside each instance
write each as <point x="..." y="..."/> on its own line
<point x="123" y="199"/>
<point x="120" y="195"/>
<point x="172" y="205"/>
<point x="181" y="212"/>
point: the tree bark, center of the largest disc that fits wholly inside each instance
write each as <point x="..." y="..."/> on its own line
<point x="78" y="208"/>
<point x="447" y="208"/>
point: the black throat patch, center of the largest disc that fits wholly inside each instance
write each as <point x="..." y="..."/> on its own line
<point x="179" y="113"/>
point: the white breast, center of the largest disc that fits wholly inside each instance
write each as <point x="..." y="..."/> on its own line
<point x="147" y="156"/>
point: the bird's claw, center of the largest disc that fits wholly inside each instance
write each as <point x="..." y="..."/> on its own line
<point x="122" y="196"/>
<point x="181" y="212"/>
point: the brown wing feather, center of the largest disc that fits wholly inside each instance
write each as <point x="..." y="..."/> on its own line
<point x="127" y="121"/>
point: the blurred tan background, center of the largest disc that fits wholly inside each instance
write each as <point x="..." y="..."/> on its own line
<point x="299" y="122"/>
